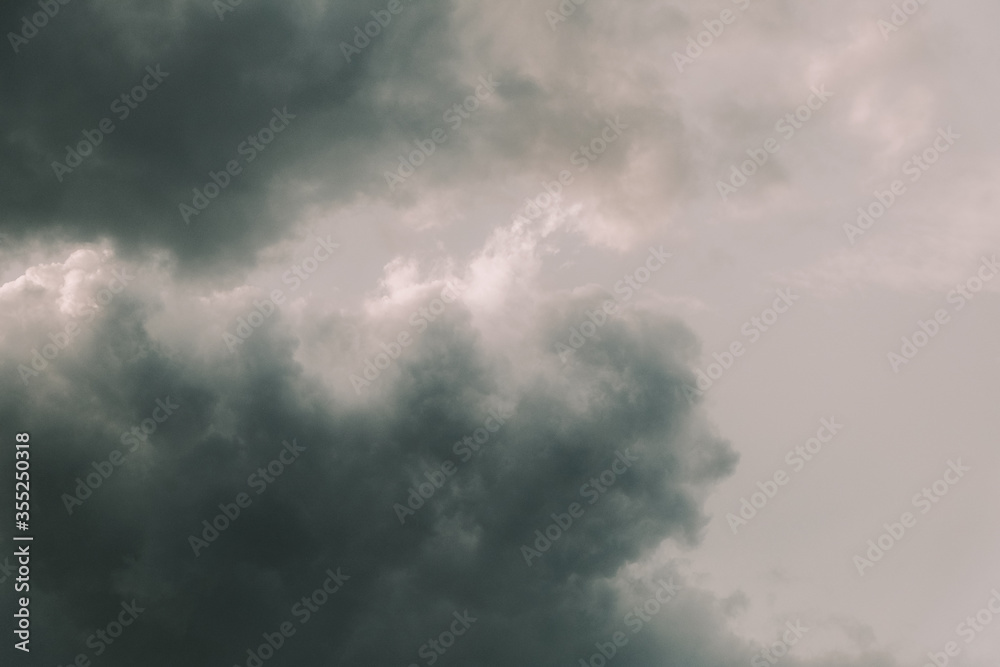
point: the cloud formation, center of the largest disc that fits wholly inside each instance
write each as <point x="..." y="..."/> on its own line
<point x="332" y="506"/>
<point x="191" y="350"/>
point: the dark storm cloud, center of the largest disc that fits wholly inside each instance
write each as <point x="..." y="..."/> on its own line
<point x="220" y="81"/>
<point x="210" y="83"/>
<point x="333" y="507"/>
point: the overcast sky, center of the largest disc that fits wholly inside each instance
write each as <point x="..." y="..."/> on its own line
<point x="538" y="312"/>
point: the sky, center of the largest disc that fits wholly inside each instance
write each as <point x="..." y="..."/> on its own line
<point x="549" y="333"/>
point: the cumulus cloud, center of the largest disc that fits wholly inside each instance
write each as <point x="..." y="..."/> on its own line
<point x="170" y="337"/>
<point x="565" y="425"/>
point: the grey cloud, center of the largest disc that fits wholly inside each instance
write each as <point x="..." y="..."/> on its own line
<point x="333" y="508"/>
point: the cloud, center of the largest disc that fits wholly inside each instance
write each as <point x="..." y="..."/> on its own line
<point x="362" y="456"/>
<point x="112" y="301"/>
